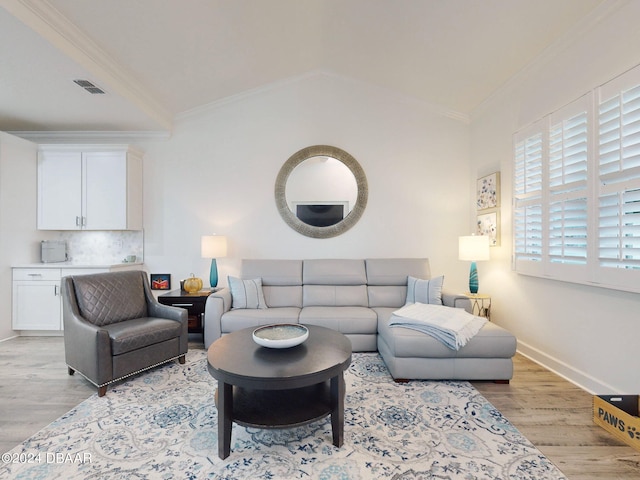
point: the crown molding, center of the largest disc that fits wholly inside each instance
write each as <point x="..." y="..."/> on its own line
<point x="602" y="11"/>
<point x="90" y="137"/>
<point x="47" y="21"/>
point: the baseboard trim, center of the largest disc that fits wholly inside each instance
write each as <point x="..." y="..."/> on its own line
<point x="8" y="338"/>
<point x="40" y="333"/>
<point x="569" y="373"/>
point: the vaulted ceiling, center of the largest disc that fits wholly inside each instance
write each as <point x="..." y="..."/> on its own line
<point x="156" y="59"/>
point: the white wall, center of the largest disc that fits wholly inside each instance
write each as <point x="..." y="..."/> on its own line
<point x="217" y="173"/>
<point x="19" y="239"/>
<point x="588" y="334"/>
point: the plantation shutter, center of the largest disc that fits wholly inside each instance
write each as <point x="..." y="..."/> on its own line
<point x="567" y="184"/>
<point x="619" y="181"/>
<point x="576" y="190"/>
<point x="528" y="177"/>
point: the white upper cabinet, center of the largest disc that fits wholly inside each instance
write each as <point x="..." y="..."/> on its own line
<point x="89" y="187"/>
<point x="59" y="190"/>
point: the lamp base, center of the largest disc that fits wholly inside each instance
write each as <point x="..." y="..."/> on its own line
<point x="473" y="278"/>
<point x="213" y="274"/>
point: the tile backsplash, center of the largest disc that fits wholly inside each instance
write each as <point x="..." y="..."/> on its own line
<point x="103" y="247"/>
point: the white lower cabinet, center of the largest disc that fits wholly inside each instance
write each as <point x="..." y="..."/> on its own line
<point x="37" y="301"/>
<point x="36" y="306"/>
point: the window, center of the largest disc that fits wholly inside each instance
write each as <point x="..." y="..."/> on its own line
<point x="577" y="190"/>
<point x="528" y="183"/>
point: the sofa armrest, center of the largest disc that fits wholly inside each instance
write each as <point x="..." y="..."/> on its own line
<point x="87" y="346"/>
<point x="158" y="310"/>
<point x="217" y="304"/>
<point x="456" y="300"/>
<point x="181" y="315"/>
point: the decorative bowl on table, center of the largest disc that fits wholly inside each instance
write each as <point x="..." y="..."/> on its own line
<point x="280" y="336"/>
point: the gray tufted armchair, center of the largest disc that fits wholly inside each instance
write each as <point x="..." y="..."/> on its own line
<point x="114" y="327"/>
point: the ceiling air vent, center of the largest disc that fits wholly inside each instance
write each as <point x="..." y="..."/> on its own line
<point x="89" y="87"/>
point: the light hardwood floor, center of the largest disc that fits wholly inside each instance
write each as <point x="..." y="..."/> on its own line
<point x="556" y="416"/>
<point x="35" y="389"/>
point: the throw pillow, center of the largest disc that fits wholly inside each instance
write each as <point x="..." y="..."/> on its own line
<point x="425" y="291"/>
<point x="246" y="293"/>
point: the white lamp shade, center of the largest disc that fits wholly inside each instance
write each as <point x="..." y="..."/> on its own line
<point x="473" y="248"/>
<point x="213" y="246"/>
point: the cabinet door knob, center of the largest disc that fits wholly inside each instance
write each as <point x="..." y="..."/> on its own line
<point x="183" y="305"/>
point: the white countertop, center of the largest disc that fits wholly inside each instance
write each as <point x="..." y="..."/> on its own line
<point x="77" y="265"/>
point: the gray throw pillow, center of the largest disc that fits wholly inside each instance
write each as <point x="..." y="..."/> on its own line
<point x="246" y="293"/>
<point x="425" y="291"/>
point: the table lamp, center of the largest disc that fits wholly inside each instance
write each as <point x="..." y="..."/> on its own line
<point x="473" y="248"/>
<point x="213" y="246"/>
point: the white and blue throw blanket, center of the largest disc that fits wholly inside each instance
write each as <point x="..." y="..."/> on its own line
<point x="452" y="326"/>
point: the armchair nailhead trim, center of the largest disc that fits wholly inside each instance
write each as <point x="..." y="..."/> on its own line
<point x="128" y="375"/>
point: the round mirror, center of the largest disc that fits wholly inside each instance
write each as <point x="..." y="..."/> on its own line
<point x="321" y="191"/>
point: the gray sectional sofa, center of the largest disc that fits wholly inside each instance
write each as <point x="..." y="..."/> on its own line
<point x="357" y="298"/>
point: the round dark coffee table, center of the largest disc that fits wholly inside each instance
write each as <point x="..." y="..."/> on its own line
<point x="278" y="388"/>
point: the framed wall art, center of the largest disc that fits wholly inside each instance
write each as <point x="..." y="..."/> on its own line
<point x="160" y="281"/>
<point x="488" y="192"/>
<point x="489" y="224"/>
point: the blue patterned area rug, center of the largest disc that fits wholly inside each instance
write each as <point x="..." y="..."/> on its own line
<point x="162" y="425"/>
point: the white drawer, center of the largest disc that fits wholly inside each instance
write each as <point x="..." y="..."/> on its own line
<point x="82" y="271"/>
<point x="36" y="274"/>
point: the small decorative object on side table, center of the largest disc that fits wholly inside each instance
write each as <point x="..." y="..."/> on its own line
<point x="193" y="302"/>
<point x="480" y="304"/>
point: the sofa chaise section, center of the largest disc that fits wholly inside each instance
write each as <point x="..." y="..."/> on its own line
<point x="410" y="354"/>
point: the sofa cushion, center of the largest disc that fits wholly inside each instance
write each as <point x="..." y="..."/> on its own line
<point x="246" y="293"/>
<point x="346" y="320"/>
<point x="335" y="295"/>
<point x="334" y="272"/>
<point x="394" y="271"/>
<point x="282" y="295"/>
<point x="425" y="291"/>
<point x="244" y="318"/>
<point x="384" y="313"/>
<point x="273" y="272"/>
<point x="393" y="296"/>
<point x="129" y="335"/>
<point x="106" y="299"/>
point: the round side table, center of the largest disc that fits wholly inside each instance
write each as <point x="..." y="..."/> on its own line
<point x="480" y="304"/>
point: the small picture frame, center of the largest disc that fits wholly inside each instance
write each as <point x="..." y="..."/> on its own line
<point x="488" y="191"/>
<point x="160" y="281"/>
<point x="488" y="224"/>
